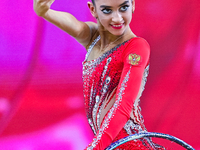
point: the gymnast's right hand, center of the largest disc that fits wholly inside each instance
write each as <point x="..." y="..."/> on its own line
<point x="42" y="6"/>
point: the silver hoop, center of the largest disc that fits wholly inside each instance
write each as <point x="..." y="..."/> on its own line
<point x="150" y="134"/>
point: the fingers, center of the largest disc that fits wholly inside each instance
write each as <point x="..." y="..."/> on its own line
<point x="43" y="2"/>
<point x="42" y="6"/>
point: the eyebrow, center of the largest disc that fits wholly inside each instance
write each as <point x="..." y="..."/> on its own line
<point x="103" y="6"/>
<point x="124" y="3"/>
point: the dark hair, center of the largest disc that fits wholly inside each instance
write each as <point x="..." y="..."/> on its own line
<point x="93" y="2"/>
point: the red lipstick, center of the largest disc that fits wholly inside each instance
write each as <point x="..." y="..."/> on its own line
<point x="117" y="26"/>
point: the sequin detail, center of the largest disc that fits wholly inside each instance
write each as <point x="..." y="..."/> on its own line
<point x="91" y="47"/>
<point x="97" y="81"/>
<point x="136" y="107"/>
<point x="101" y="78"/>
<point x="111" y="111"/>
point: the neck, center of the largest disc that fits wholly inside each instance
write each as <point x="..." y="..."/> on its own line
<point x="108" y="39"/>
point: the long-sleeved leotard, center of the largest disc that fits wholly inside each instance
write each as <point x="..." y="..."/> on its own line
<point x="115" y="82"/>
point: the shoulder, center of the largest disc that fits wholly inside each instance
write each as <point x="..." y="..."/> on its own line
<point x="93" y="33"/>
<point x="137" y="46"/>
<point x="92" y="25"/>
<point x="138" y="43"/>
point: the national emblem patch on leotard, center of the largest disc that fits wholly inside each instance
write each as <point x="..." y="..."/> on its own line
<point x="134" y="59"/>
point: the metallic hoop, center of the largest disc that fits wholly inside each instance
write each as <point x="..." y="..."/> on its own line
<point x="150" y="134"/>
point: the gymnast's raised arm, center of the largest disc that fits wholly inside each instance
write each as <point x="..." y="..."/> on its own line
<point x="81" y="31"/>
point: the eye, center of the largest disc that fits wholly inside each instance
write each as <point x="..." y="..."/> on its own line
<point x="124" y="8"/>
<point x="106" y="11"/>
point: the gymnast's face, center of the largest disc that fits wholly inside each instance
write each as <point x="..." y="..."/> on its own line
<point x="113" y="16"/>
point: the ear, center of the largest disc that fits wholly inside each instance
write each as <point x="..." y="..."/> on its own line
<point x="133" y="5"/>
<point x="92" y="9"/>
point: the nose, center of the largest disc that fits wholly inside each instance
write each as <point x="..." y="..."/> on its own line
<point x="117" y="17"/>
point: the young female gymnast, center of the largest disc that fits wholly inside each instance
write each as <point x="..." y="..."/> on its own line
<point x="114" y="70"/>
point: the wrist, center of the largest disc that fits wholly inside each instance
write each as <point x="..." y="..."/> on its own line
<point x="45" y="15"/>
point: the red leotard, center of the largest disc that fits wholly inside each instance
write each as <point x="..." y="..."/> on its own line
<point x="120" y="73"/>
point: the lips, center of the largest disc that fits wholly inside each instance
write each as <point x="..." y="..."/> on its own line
<point x="117" y="26"/>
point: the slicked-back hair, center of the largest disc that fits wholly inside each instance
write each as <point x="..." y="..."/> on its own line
<point x="93" y="2"/>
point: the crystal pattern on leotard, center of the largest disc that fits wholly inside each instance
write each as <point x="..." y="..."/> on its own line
<point x="100" y="78"/>
<point x="136" y="107"/>
<point x="111" y="112"/>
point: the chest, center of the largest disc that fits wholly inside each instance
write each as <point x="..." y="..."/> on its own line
<point x="108" y="64"/>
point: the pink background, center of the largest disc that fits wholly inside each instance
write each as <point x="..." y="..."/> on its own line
<point x="41" y="101"/>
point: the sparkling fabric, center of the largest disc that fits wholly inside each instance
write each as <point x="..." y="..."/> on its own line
<point x="101" y="78"/>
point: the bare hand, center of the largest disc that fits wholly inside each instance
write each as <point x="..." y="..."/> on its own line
<point x="42" y="6"/>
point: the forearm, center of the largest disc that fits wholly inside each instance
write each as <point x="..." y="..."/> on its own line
<point x="66" y="22"/>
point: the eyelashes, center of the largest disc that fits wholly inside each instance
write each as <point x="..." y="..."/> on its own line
<point x="121" y="9"/>
<point x="106" y="11"/>
<point x="124" y="8"/>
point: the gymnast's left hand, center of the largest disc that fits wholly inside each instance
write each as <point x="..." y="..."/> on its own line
<point x="41" y="7"/>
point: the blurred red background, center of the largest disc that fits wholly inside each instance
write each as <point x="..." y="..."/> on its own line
<point x="41" y="102"/>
